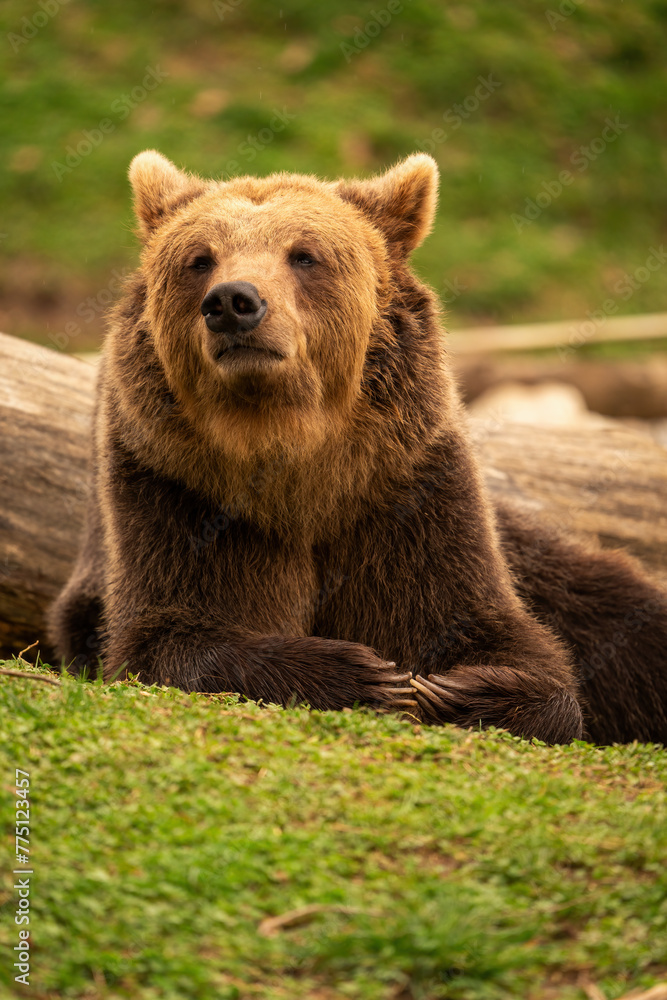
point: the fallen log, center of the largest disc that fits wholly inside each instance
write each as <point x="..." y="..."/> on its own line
<point x="615" y="389"/>
<point x="567" y="335"/>
<point x="607" y="481"/>
<point x="602" y="481"/>
<point x="46" y="401"/>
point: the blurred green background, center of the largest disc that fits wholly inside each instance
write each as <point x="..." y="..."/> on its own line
<point x="357" y="86"/>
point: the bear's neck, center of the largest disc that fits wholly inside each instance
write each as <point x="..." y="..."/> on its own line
<point x="314" y="493"/>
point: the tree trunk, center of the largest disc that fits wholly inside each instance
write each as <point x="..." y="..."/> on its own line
<point x="609" y="481"/>
<point x="46" y="401"/>
<point x="613" y="388"/>
<point x="603" y="481"/>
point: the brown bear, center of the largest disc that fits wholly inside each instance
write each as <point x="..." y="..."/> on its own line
<point x="285" y="502"/>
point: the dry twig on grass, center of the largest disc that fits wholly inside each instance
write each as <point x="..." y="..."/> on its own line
<point x="31" y="677"/>
<point x="658" y="992"/>
<point x="302" y="915"/>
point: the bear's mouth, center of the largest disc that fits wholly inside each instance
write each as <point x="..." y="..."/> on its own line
<point x="238" y="350"/>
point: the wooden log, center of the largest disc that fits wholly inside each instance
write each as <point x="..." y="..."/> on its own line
<point x="46" y="401"/>
<point x="615" y="389"/>
<point x="567" y="335"/>
<point x="603" y="481"/>
<point x="608" y="481"/>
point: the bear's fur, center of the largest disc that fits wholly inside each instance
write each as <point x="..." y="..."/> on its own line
<point x="290" y="512"/>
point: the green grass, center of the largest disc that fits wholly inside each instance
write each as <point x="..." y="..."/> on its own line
<point x="166" y="827"/>
<point x="555" y="88"/>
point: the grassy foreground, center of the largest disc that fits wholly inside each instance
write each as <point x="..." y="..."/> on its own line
<point x="447" y="864"/>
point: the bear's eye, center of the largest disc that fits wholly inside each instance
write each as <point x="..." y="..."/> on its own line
<point x="302" y="258"/>
<point x="202" y="263"/>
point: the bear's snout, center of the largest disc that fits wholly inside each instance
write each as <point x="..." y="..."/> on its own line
<point x="233" y="307"/>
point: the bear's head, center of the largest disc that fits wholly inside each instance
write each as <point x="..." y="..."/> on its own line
<point x="271" y="302"/>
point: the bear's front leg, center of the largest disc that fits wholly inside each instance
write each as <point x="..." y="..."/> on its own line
<point x="75" y="629"/>
<point x="531" y="706"/>
<point x="476" y="653"/>
<point x="324" y="673"/>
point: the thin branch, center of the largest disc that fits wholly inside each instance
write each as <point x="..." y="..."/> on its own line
<point x="303" y="915"/>
<point x="657" y="992"/>
<point x="31" y="646"/>
<point x="31" y="677"/>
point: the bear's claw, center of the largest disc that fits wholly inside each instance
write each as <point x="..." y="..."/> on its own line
<point x="394" y="691"/>
<point x="527" y="705"/>
<point x="439" y="694"/>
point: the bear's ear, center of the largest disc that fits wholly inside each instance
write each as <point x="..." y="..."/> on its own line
<point x="401" y="202"/>
<point x="159" y="189"/>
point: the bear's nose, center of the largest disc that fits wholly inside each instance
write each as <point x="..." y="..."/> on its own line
<point x="233" y="307"/>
